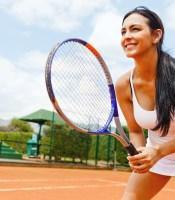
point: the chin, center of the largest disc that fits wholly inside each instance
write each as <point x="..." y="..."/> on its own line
<point x="131" y="54"/>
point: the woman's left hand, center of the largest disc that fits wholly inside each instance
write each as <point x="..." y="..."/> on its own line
<point x="142" y="162"/>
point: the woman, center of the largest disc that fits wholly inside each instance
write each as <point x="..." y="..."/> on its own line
<point x="146" y="95"/>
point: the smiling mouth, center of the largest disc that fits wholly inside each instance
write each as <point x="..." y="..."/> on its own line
<point x="128" y="46"/>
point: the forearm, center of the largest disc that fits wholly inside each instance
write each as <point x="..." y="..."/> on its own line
<point x="137" y="139"/>
<point x="166" y="148"/>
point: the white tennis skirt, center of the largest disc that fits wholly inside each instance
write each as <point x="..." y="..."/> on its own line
<point x="166" y="165"/>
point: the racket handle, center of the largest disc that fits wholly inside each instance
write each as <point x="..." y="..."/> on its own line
<point x="131" y="149"/>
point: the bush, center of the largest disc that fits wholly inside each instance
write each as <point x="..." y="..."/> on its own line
<point x="19" y="125"/>
<point x="16" y="140"/>
<point x="65" y="143"/>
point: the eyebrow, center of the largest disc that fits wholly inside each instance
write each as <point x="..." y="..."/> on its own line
<point x="133" y="25"/>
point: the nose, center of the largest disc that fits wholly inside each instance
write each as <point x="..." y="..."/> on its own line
<point x="125" y="37"/>
<point x="127" y="34"/>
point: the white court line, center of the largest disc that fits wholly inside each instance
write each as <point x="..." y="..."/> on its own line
<point x="57" y="187"/>
<point x="68" y="187"/>
<point x="169" y="190"/>
<point x="110" y="181"/>
<point x="124" y="184"/>
<point x="22" y="180"/>
<point x="111" y="184"/>
<point x="45" y="180"/>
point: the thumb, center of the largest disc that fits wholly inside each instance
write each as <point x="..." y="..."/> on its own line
<point x="140" y="149"/>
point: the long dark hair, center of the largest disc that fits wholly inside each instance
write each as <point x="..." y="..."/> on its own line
<point x="165" y="75"/>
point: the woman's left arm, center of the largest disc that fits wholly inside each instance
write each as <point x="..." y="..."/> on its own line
<point x="166" y="148"/>
<point x="148" y="156"/>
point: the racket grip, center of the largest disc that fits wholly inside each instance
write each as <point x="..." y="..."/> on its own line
<point x="131" y="149"/>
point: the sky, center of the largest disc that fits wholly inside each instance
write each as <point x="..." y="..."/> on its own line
<point x="29" y="29"/>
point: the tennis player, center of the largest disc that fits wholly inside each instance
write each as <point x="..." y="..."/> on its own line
<point x="146" y="95"/>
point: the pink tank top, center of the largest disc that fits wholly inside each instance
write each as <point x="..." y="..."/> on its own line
<point x="146" y="119"/>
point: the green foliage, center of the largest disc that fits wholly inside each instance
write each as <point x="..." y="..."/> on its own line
<point x="106" y="150"/>
<point x="105" y="145"/>
<point x="121" y="154"/>
<point x="65" y="143"/>
<point x="19" y="125"/>
<point x="16" y="140"/>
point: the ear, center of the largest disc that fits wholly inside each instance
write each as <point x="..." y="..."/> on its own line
<point x="156" y="35"/>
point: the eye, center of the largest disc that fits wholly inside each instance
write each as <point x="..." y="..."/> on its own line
<point x="135" y="29"/>
<point x="123" y="32"/>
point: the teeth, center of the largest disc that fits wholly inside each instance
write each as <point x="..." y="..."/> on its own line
<point x="129" y="45"/>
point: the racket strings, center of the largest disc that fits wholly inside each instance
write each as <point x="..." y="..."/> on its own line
<point x="80" y="86"/>
<point x="71" y="94"/>
<point x="65" y="94"/>
<point x="100" y="80"/>
<point x="81" y="71"/>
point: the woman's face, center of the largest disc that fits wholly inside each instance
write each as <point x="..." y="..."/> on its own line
<point x="137" y="37"/>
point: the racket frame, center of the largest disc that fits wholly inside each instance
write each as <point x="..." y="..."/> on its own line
<point x="114" y="110"/>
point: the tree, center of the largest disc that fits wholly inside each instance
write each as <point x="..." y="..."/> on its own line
<point x="19" y="125"/>
<point x="66" y="143"/>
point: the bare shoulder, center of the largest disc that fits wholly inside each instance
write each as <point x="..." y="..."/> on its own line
<point x="122" y="86"/>
<point x="124" y="97"/>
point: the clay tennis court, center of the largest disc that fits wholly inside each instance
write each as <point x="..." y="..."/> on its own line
<point x="34" y="183"/>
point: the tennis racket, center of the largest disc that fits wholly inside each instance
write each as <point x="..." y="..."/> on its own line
<point x="81" y="90"/>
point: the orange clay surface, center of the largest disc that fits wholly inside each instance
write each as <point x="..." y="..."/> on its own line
<point x="33" y="183"/>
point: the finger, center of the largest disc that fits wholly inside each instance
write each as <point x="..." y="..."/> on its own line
<point x="140" y="149"/>
<point x="135" y="163"/>
<point x="137" y="157"/>
<point x="140" y="167"/>
<point x="145" y="160"/>
<point x="141" y="171"/>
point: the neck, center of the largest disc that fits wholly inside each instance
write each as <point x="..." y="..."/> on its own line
<point x="146" y="65"/>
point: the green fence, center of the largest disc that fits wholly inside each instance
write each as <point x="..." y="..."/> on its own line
<point x="61" y="144"/>
<point x="64" y="144"/>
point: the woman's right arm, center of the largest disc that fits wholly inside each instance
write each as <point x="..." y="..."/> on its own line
<point x="123" y="93"/>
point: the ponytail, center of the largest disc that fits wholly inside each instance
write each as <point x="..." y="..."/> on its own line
<point x="165" y="92"/>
